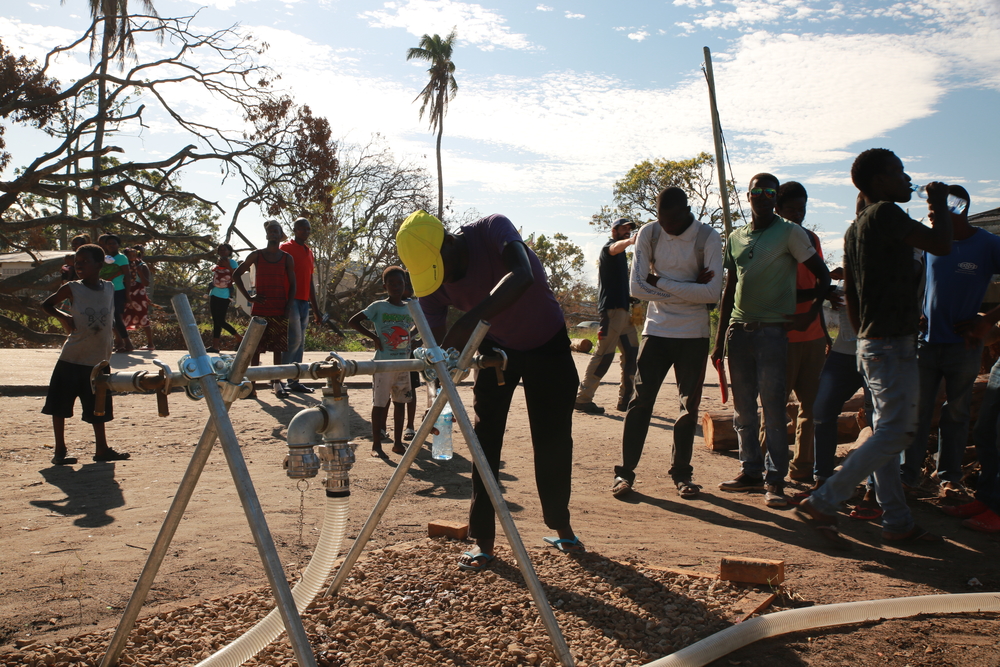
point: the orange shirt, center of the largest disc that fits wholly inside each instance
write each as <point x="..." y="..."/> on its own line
<point x="804" y="279"/>
<point x="304" y="265"/>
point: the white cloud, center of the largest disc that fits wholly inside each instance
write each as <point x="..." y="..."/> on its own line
<point x="571" y="15"/>
<point x="474" y="23"/>
<point x="639" y="35"/>
<point x="817" y="119"/>
<point x="544" y="8"/>
<point x="37" y="7"/>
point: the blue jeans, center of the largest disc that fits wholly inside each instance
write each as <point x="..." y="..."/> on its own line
<point x="984" y="435"/>
<point x="958" y="366"/>
<point x="889" y="365"/>
<point x="297" y="323"/>
<point x="757" y="362"/>
<point x="839" y="380"/>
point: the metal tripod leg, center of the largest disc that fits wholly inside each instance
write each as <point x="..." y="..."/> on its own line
<point x="244" y="485"/>
<point x="179" y="504"/>
<point x="479" y="458"/>
<point x="402" y="469"/>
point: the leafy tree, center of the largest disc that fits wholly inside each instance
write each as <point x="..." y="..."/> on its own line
<point x="440" y="89"/>
<point x="143" y="198"/>
<point x="563" y="262"/>
<point x="353" y="244"/>
<point x="635" y="194"/>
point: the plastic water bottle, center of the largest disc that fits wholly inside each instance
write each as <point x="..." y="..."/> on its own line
<point x="955" y="203"/>
<point x="441" y="448"/>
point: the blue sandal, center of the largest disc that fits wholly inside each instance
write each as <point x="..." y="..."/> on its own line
<point x="573" y="546"/>
<point x="477" y="561"/>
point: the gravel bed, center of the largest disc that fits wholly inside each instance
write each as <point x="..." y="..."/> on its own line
<point x="409" y="605"/>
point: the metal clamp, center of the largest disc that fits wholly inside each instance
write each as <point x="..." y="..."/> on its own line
<point x="194" y="368"/>
<point x="435" y="355"/>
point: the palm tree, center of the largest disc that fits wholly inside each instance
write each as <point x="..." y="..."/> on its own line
<point x="116" y="42"/>
<point x="440" y="90"/>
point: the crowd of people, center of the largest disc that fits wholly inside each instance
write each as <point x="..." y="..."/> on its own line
<point x="908" y="320"/>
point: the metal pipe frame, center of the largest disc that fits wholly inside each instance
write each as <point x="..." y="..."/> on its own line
<point x="178" y="506"/>
<point x="403" y="467"/>
<point x="219" y="419"/>
<point x="479" y="458"/>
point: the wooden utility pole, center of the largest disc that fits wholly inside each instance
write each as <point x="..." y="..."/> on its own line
<point x="717" y="134"/>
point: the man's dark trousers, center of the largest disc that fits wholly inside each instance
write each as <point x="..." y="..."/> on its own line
<point x="688" y="357"/>
<point x="550" y="379"/>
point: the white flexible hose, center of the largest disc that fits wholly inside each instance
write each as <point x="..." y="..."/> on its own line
<point x="313" y="578"/>
<point x="795" y="620"/>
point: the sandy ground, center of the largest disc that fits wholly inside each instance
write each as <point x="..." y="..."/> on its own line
<point x="74" y="539"/>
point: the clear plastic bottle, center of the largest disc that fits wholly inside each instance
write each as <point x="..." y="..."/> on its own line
<point x="441" y="447"/>
<point x="955" y="203"/>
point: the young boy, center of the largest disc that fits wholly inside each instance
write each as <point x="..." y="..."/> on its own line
<point x="392" y="341"/>
<point x="89" y="320"/>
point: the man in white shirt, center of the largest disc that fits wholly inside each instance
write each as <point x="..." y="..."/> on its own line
<point x="677" y="267"/>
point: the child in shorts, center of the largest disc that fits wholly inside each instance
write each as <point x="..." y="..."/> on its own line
<point x="89" y="320"/>
<point x="392" y="341"/>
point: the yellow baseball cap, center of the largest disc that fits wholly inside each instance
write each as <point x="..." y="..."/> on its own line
<point x="418" y="243"/>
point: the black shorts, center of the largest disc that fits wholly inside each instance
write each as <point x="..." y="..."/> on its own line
<point x="69" y="382"/>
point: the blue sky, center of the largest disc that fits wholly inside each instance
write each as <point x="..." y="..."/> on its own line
<point x="559" y="99"/>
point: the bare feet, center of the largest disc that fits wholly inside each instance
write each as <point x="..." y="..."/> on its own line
<point x="399" y="448"/>
<point x="377" y="452"/>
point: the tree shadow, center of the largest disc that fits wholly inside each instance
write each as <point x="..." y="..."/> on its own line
<point x="91" y="491"/>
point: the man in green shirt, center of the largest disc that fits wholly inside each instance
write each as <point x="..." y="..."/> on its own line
<point x="758" y="305"/>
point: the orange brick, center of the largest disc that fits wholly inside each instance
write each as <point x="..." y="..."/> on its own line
<point x="752" y="570"/>
<point x="452" y="529"/>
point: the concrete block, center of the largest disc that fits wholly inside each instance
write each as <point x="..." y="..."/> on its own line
<point x="452" y="529"/>
<point x="752" y="570"/>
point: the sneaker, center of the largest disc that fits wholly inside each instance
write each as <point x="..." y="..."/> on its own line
<point x="986" y="522"/>
<point x="966" y="511"/>
<point x="589" y="407"/>
<point x="774" y="495"/>
<point x="621" y="487"/>
<point x="299" y="387"/>
<point x="743" y="482"/>
<point x="409" y="434"/>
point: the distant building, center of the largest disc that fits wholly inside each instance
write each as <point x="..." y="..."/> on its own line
<point x="13" y="263"/>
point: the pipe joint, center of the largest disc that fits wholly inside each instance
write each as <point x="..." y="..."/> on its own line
<point x="337" y="459"/>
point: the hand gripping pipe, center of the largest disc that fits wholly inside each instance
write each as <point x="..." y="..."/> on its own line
<point x="337" y="455"/>
<point x="825" y="616"/>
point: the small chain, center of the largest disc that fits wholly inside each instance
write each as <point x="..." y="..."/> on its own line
<point x="302" y="486"/>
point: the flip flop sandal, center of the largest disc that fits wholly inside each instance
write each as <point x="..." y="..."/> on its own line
<point x="477" y="561"/>
<point x="573" y="546"/>
<point x="63" y="460"/>
<point x="866" y="513"/>
<point x="915" y="535"/>
<point x="687" y="489"/>
<point x="621" y="488"/>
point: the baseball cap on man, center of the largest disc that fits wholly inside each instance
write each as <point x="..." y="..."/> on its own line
<point x="418" y="243"/>
<point x="622" y="221"/>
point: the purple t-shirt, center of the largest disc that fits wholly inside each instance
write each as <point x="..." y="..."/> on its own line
<point x="533" y="319"/>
